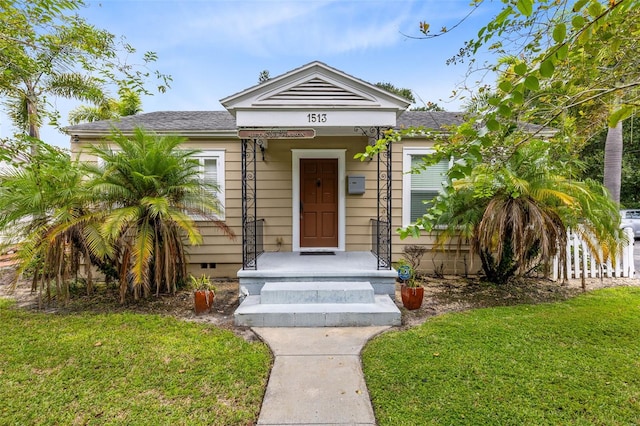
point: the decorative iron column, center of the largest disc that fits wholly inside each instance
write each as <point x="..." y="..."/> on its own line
<point x="250" y="232"/>
<point x="384" y="205"/>
<point x="381" y="225"/>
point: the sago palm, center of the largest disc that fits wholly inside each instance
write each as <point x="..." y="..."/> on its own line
<point x="43" y="207"/>
<point x="515" y="213"/>
<point x="151" y="190"/>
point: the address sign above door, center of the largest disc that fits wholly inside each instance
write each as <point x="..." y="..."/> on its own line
<point x="276" y="133"/>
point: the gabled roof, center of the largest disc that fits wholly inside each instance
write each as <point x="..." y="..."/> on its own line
<point x="286" y="101"/>
<point x="221" y="123"/>
<point x="315" y="85"/>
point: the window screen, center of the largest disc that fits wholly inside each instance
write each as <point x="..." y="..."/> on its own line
<point x="426" y="185"/>
<point x="211" y="171"/>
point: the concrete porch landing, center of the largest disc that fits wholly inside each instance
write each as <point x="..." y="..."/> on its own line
<point x="341" y="267"/>
<point x="294" y="290"/>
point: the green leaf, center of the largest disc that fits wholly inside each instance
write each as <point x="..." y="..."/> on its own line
<point x="520" y="69"/>
<point x="620" y="114"/>
<point x="559" y="32"/>
<point x="493" y="125"/>
<point x="585" y="35"/>
<point x="499" y="20"/>
<point x="517" y="97"/>
<point x="547" y="68"/>
<point x="456" y="174"/>
<point x="505" y="86"/>
<point x="504" y="110"/>
<point x="562" y="53"/>
<point x="595" y="9"/>
<point x="577" y="22"/>
<point x="615" y="45"/>
<point x="474" y="151"/>
<point x="579" y="5"/>
<point x="532" y="83"/>
<point x="525" y="7"/>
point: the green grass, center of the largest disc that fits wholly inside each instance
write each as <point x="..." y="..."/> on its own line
<point x="125" y="369"/>
<point x="575" y="362"/>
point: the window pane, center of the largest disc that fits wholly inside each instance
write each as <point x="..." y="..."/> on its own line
<point x="417" y="206"/>
<point x="211" y="170"/>
<point x="430" y="178"/>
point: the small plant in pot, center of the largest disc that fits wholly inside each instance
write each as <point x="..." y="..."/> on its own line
<point x="411" y="292"/>
<point x="204" y="292"/>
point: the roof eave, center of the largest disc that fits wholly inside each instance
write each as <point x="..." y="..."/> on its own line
<point x="189" y="134"/>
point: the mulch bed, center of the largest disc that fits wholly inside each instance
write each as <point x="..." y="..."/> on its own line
<point x="442" y="295"/>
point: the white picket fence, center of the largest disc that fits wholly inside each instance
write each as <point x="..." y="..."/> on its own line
<point x="580" y="261"/>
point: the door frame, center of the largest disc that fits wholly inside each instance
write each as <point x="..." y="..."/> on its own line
<point x="296" y="155"/>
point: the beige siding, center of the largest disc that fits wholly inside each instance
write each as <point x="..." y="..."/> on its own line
<point x="447" y="259"/>
<point x="274" y="204"/>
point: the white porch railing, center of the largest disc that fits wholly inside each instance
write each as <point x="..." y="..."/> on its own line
<point x="581" y="262"/>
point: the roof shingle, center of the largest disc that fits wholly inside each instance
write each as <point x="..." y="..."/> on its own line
<point x="216" y="121"/>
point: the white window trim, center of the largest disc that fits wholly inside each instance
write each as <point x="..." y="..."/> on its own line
<point x="219" y="155"/>
<point x="407" y="153"/>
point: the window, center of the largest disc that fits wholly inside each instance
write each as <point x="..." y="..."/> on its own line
<point x="419" y="187"/>
<point x="212" y="172"/>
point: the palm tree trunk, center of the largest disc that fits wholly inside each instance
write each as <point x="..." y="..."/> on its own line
<point x="613" y="161"/>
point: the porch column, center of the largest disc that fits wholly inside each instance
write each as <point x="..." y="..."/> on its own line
<point x="251" y="226"/>
<point x="381" y="224"/>
<point x="384" y="210"/>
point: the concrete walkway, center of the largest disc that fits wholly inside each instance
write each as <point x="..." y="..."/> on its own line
<point x="316" y="377"/>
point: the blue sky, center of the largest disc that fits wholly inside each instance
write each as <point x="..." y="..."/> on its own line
<point x="216" y="48"/>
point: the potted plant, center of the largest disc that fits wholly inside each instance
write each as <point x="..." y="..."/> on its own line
<point x="411" y="292"/>
<point x="204" y="292"/>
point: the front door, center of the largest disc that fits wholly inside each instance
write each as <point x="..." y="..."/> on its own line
<point x="319" y="202"/>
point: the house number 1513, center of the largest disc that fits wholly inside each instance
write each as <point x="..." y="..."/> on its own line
<point x="317" y="118"/>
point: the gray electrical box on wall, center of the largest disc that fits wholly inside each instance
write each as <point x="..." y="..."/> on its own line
<point x="356" y="184"/>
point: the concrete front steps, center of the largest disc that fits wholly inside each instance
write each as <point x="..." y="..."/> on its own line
<point x="317" y="304"/>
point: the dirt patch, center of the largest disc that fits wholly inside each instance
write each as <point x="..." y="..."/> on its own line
<point x="442" y="295"/>
<point x="106" y="299"/>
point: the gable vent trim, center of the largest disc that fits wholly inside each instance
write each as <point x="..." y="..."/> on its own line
<point x="318" y="90"/>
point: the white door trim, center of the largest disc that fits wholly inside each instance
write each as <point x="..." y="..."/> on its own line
<point x="296" y="155"/>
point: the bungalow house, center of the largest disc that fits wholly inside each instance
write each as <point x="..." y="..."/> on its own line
<point x="282" y="154"/>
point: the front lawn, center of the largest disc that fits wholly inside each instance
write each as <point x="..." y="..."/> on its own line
<point x="572" y="362"/>
<point x="126" y="369"/>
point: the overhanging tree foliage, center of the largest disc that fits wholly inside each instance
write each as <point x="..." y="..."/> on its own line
<point x="129" y="103"/>
<point x="510" y="194"/>
<point x="48" y="51"/>
<point x="402" y="92"/>
<point x="593" y="158"/>
<point x="577" y="67"/>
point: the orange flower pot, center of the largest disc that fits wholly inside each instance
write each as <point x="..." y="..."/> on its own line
<point x="203" y="301"/>
<point x="411" y="296"/>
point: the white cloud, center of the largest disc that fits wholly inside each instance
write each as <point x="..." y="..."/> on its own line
<point x="270" y="28"/>
<point x="215" y="48"/>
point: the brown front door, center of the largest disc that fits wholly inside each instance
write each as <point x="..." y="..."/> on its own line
<point x="319" y="202"/>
